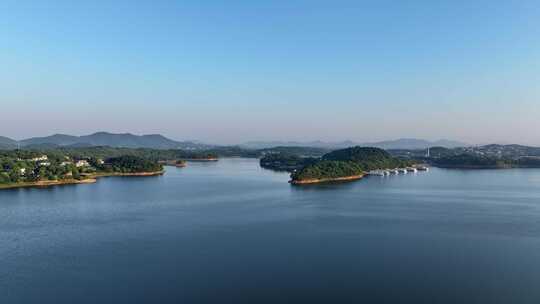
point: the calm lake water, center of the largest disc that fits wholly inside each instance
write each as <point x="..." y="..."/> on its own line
<point x="231" y="232"/>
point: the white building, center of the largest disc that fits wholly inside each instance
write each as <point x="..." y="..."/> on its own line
<point x="44" y="164"/>
<point x="41" y="158"/>
<point x="82" y="163"/>
<point x="22" y="171"/>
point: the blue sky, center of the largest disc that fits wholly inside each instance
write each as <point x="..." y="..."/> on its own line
<point x="233" y="71"/>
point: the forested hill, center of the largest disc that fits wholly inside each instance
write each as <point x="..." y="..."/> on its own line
<point x="348" y="162"/>
<point x="7" y="143"/>
<point x="358" y="154"/>
<point x="368" y="158"/>
<point x="126" y="140"/>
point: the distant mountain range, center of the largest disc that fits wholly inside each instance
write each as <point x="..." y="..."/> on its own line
<point x="403" y="143"/>
<point x="413" y="144"/>
<point x="157" y="141"/>
<point x="315" y="144"/>
<point x="7" y="143"/>
<point x="125" y="140"/>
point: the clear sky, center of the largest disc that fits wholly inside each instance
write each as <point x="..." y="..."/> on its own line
<point x="232" y="71"/>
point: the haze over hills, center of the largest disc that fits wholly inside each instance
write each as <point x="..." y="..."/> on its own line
<point x="402" y="143"/>
<point x="7" y="143"/>
<point x="157" y="141"/>
<point x="413" y="143"/>
<point x="316" y="144"/>
<point x="56" y="139"/>
<point x="125" y="140"/>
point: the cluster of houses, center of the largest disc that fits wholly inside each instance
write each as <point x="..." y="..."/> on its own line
<point x="504" y="151"/>
<point x="43" y="161"/>
<point x="79" y="163"/>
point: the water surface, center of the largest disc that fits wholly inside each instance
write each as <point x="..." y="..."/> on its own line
<point x="231" y="232"/>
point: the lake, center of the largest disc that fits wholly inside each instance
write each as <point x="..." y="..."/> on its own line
<point x="232" y="232"/>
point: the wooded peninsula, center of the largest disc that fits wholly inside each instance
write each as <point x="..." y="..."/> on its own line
<point x="40" y="168"/>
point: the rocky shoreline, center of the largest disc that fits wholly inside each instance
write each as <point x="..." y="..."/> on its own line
<point x="326" y="180"/>
<point x="174" y="163"/>
<point x="89" y="180"/>
<point x="154" y="173"/>
<point x="48" y="183"/>
<point x="211" y="159"/>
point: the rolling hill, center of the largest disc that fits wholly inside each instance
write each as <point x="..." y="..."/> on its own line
<point x="125" y="140"/>
<point x="413" y="144"/>
<point x="7" y="143"/>
<point x="402" y="143"/>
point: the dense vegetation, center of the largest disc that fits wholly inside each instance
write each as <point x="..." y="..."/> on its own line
<point x="61" y="163"/>
<point x="236" y="151"/>
<point x="349" y="162"/>
<point x="151" y="154"/>
<point x="328" y="169"/>
<point x="170" y="154"/>
<point x="469" y="161"/>
<point x="528" y="162"/>
<point x="23" y="166"/>
<point x="357" y="154"/>
<point x="298" y="151"/>
<point x="129" y="164"/>
<point x="488" y="156"/>
<point x="368" y="158"/>
<point x="474" y="161"/>
<point x="285" y="161"/>
<point x="233" y="151"/>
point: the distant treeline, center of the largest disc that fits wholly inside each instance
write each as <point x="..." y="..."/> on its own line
<point x="129" y="164"/>
<point x="328" y="169"/>
<point x="367" y="158"/>
<point x="150" y="154"/>
<point x="485" y="162"/>
<point x="170" y="154"/>
<point x="282" y="161"/>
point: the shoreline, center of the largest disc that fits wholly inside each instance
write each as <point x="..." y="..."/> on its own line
<point x="472" y="167"/>
<point x="467" y="167"/>
<point x="154" y="173"/>
<point x="326" y="180"/>
<point x="48" y="183"/>
<point x="90" y="180"/>
<point x="200" y="159"/>
<point x="173" y="163"/>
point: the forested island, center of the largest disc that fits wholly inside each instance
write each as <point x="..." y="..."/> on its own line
<point x="327" y="171"/>
<point x="347" y="164"/>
